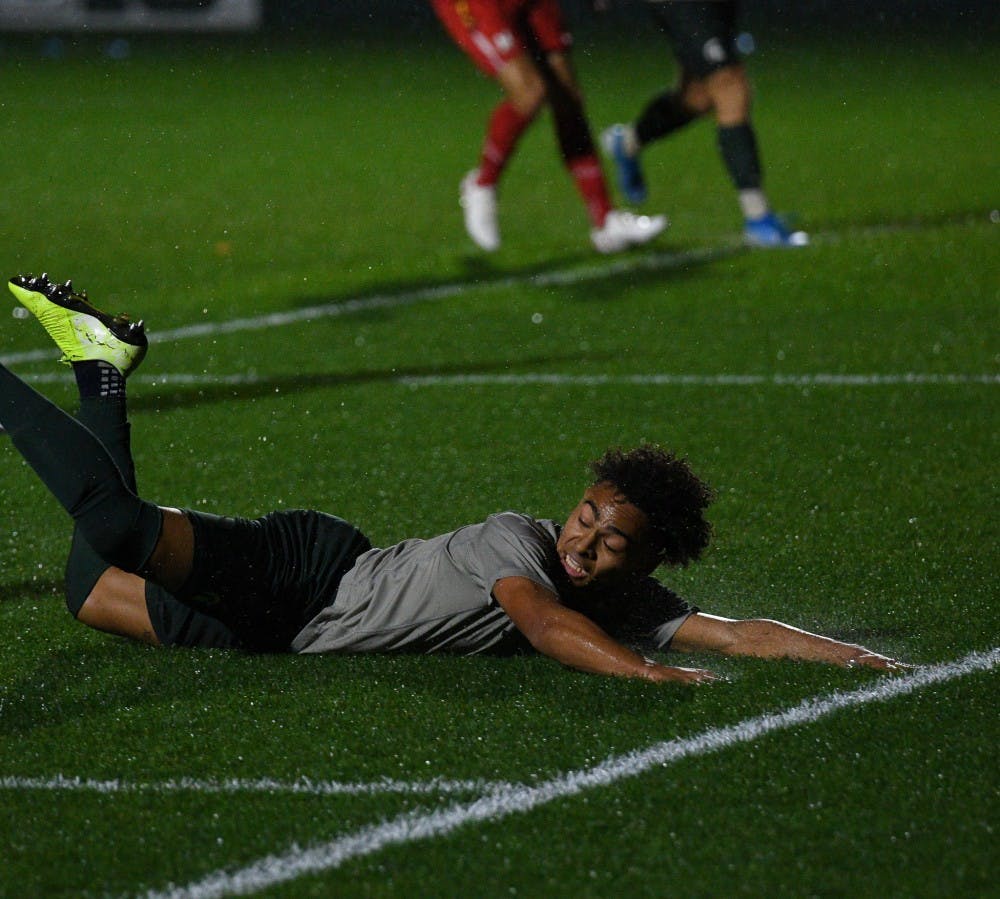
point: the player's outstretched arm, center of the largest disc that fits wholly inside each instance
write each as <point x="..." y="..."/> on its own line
<point x="767" y="639"/>
<point x="573" y="639"/>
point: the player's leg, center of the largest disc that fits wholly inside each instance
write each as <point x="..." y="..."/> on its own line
<point x="685" y="28"/>
<point x="712" y="79"/>
<point x="130" y="606"/>
<point x="719" y="80"/>
<point x="103" y="411"/>
<point x="524" y="94"/>
<point x="252" y="584"/>
<point x="573" y="135"/>
<point x="122" y="529"/>
<point x="548" y="42"/>
<point x="116" y="604"/>
<point x="97" y="594"/>
<point x="722" y="78"/>
<point x="729" y="91"/>
<point x="612" y="230"/>
<point x="487" y="33"/>
<point x="662" y="116"/>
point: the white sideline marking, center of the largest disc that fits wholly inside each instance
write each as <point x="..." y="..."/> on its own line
<point x="661" y="379"/>
<point x="678" y="380"/>
<point x="301" y="786"/>
<point x="355" y="305"/>
<point x="650" y="262"/>
<point x="406" y="828"/>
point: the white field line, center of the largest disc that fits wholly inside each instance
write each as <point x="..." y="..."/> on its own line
<point x="303" y="786"/>
<point x="528" y="379"/>
<point x="412" y="826"/>
<point x="651" y="262"/>
<point x="708" y="380"/>
<point x="357" y="305"/>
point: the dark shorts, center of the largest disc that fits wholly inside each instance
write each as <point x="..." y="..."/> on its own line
<point x="256" y="583"/>
<point x="702" y="34"/>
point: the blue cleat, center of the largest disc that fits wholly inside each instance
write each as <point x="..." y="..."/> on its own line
<point x="627" y="169"/>
<point x="770" y="231"/>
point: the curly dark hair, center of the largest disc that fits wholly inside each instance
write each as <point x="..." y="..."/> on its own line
<point x="673" y="497"/>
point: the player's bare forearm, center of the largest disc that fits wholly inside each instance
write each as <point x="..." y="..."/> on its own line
<point x="574" y="640"/>
<point x="767" y="639"/>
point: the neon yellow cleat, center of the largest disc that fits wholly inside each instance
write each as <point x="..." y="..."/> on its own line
<point x="78" y="328"/>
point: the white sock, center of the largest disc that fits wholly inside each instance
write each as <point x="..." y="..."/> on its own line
<point x="631" y="142"/>
<point x="754" y="204"/>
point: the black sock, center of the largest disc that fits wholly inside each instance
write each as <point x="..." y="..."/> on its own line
<point x="76" y="467"/>
<point x="98" y="378"/>
<point x="738" y="146"/>
<point x="572" y="131"/>
<point x="107" y="419"/>
<point x="662" y="116"/>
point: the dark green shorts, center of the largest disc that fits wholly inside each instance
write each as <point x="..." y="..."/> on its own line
<point x="703" y="35"/>
<point x="256" y="583"/>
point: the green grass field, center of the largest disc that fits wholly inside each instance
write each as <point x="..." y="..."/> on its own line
<point x="842" y="399"/>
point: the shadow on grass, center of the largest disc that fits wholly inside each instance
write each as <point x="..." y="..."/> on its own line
<point x="603" y="284"/>
<point x="103" y="675"/>
<point x="875" y="638"/>
<point x="30" y="591"/>
<point x="569" y="272"/>
<point x="874" y="221"/>
<point x="177" y="397"/>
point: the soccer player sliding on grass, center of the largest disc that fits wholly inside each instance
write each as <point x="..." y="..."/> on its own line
<point x="309" y="582"/>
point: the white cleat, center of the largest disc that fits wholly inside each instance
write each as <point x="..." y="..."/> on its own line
<point x="479" y="203"/>
<point x="622" y="230"/>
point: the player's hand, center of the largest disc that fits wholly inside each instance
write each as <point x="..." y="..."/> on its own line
<point x="663" y="673"/>
<point x="878" y="663"/>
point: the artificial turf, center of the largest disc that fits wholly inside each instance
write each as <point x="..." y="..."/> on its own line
<point x="199" y="182"/>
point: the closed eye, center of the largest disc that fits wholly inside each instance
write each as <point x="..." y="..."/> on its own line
<point x="616" y="544"/>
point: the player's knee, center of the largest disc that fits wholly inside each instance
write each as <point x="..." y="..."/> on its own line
<point x="529" y="99"/>
<point x="117" y="605"/>
<point x="88" y="594"/>
<point x="729" y="87"/>
<point x="75" y="596"/>
<point x="695" y="98"/>
<point x="84" y="569"/>
<point x="524" y="87"/>
<point x="88" y="610"/>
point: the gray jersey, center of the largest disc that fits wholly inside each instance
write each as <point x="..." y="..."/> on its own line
<point x="435" y="595"/>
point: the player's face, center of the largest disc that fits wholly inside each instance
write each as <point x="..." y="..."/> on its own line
<point x="604" y="539"/>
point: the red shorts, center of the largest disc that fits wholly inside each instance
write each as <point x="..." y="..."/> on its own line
<point x="493" y="32"/>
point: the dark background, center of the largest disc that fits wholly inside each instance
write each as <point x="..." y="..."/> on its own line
<point x="911" y="15"/>
<point x="884" y="17"/>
